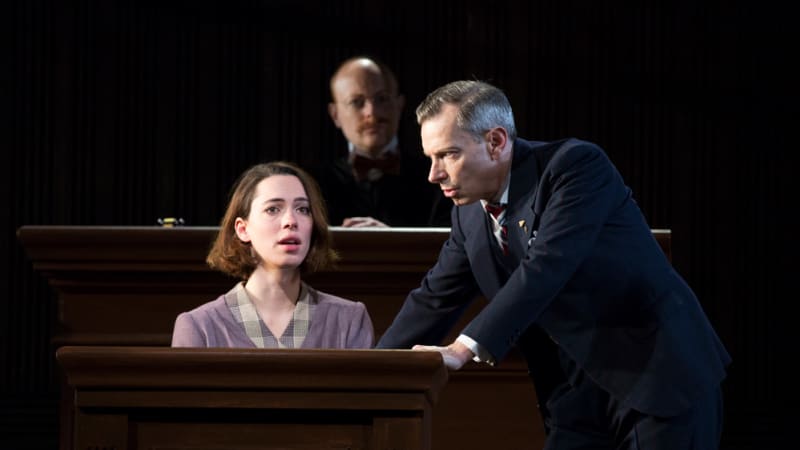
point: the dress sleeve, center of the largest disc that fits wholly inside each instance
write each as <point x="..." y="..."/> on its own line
<point x="186" y="332"/>
<point x="361" y="331"/>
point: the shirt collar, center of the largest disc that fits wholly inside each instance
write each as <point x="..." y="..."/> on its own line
<point x="390" y="147"/>
<point x="504" y="197"/>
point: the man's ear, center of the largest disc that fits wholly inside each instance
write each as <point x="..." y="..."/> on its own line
<point x="334" y="114"/>
<point x="240" y="226"/>
<point x="496" y="138"/>
<point x="401" y="102"/>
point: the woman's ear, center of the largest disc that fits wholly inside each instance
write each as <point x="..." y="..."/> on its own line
<point x="240" y="226"/>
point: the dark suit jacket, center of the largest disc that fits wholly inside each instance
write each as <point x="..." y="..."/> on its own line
<point x="584" y="267"/>
<point x="406" y="199"/>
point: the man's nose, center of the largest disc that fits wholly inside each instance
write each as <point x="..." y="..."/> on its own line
<point x="436" y="175"/>
<point x="368" y="110"/>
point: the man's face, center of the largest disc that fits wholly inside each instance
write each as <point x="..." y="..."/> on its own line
<point x="462" y="164"/>
<point x="366" y="107"/>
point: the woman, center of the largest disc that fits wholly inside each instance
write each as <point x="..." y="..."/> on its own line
<point x="274" y="228"/>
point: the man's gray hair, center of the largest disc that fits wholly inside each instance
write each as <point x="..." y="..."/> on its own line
<point x="481" y="107"/>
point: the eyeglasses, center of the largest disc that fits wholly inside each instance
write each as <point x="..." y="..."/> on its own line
<point x="380" y="100"/>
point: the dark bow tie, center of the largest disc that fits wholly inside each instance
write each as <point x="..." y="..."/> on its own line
<point x="372" y="169"/>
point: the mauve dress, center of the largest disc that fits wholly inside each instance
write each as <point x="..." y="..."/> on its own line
<point x="334" y="323"/>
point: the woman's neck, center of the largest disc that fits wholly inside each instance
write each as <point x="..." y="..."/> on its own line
<point x="274" y="290"/>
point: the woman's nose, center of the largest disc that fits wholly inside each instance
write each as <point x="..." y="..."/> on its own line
<point x="289" y="219"/>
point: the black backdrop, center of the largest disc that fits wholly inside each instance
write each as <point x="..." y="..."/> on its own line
<point x="117" y="112"/>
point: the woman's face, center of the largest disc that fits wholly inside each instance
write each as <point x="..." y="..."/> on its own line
<point x="280" y="224"/>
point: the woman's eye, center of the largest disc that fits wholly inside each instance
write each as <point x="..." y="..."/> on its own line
<point x="272" y="210"/>
<point x="305" y="210"/>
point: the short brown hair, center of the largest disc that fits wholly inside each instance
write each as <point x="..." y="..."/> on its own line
<point x="230" y="255"/>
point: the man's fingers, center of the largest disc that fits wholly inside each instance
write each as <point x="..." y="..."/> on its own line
<point x="426" y="348"/>
<point x="361" y="222"/>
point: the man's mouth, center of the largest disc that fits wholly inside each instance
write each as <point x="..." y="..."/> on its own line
<point x="448" y="191"/>
<point x="372" y="127"/>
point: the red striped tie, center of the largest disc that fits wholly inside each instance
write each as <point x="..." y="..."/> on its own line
<point x="498" y="211"/>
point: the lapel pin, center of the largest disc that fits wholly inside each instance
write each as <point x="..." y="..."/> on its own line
<point x="522" y="225"/>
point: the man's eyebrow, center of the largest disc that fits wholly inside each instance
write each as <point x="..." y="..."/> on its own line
<point x="446" y="150"/>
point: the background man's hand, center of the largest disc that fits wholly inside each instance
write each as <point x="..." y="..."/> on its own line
<point x="362" y="222"/>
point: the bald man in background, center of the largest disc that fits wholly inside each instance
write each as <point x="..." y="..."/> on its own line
<point x="375" y="184"/>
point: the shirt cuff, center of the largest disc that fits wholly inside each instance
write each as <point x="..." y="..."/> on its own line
<point x="481" y="355"/>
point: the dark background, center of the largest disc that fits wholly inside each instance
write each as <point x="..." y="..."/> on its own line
<point x="117" y="112"/>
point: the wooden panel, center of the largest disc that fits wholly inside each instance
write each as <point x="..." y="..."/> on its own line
<point x="165" y="398"/>
<point x="149" y="275"/>
<point x="101" y="430"/>
<point x="228" y="431"/>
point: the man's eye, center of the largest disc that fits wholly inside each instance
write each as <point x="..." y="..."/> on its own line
<point x="381" y="99"/>
<point x="357" y="103"/>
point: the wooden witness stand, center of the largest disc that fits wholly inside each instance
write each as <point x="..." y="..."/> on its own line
<point x="165" y="398"/>
<point x="124" y="286"/>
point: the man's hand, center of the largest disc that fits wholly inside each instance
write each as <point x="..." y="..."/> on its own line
<point x="363" y="222"/>
<point x="455" y="355"/>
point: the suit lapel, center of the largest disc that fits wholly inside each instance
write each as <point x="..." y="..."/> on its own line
<point x="521" y="194"/>
<point x="481" y="247"/>
<point x="489" y="265"/>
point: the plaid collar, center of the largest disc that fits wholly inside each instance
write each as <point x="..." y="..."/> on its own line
<point x="244" y="312"/>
